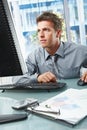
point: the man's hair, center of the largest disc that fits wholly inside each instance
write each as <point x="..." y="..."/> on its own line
<point x="49" y="16"/>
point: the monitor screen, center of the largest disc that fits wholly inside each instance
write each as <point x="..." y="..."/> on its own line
<point x="11" y="59"/>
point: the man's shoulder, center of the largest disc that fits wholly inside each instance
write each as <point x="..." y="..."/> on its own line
<point x="74" y="48"/>
<point x="69" y="45"/>
<point x="74" y="45"/>
<point x="38" y="51"/>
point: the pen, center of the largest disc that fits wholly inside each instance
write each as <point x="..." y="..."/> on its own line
<point x="48" y="111"/>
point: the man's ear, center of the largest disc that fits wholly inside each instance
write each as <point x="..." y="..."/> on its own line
<point x="58" y="35"/>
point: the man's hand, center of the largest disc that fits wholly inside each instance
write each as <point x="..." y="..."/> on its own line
<point x="46" y="77"/>
<point x="84" y="77"/>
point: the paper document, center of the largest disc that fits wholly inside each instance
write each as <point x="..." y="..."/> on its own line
<point x="69" y="106"/>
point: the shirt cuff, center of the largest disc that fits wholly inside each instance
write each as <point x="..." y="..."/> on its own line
<point x="33" y="78"/>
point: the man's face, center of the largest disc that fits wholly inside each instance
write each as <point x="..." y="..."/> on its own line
<point x="47" y="35"/>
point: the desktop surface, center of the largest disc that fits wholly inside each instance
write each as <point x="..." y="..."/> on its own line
<point x="35" y="122"/>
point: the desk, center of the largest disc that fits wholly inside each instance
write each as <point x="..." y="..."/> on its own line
<point x="36" y="122"/>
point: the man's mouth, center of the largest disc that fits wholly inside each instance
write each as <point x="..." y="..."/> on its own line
<point x="43" y="41"/>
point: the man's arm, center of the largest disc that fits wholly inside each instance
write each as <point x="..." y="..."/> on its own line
<point x="31" y="75"/>
<point x="25" y="79"/>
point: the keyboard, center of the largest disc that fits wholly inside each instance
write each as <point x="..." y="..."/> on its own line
<point x="50" y="85"/>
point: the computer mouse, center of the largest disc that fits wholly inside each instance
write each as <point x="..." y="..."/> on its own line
<point x="81" y="83"/>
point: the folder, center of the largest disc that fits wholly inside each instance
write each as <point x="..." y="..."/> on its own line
<point x="68" y="107"/>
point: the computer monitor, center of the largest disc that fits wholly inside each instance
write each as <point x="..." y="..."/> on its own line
<point x="11" y="59"/>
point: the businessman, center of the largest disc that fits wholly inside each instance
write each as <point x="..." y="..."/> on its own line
<point x="53" y="59"/>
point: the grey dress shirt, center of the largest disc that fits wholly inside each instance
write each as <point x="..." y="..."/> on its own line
<point x="66" y="62"/>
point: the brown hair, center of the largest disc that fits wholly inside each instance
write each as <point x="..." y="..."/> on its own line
<point x="49" y="16"/>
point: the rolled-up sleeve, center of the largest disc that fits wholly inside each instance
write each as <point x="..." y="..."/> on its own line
<point x="31" y="75"/>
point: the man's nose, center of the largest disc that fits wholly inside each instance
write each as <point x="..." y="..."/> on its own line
<point x="41" y="34"/>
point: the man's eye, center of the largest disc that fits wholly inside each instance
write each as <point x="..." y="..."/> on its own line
<point x="38" y="31"/>
<point x="46" y="30"/>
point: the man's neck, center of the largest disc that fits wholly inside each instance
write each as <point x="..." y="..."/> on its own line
<point x="52" y="50"/>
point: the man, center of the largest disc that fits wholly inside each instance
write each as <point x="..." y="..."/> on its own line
<point x="54" y="59"/>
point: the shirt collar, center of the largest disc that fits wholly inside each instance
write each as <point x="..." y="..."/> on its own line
<point x="59" y="52"/>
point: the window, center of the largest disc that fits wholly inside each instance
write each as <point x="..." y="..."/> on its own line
<point x="74" y="13"/>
